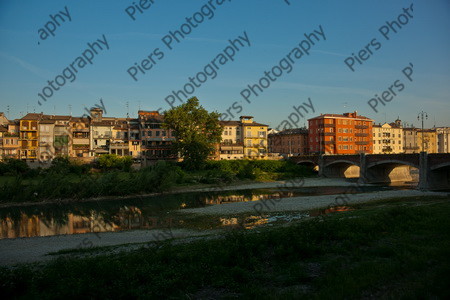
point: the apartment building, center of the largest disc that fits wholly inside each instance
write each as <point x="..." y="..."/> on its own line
<point x="254" y="138"/>
<point x="80" y="129"/>
<point x="11" y="144"/>
<point x="156" y="141"/>
<point x="388" y="138"/>
<point x="289" y="142"/>
<point x="100" y="132"/>
<point x="443" y="139"/>
<point x="348" y="133"/>
<point x="46" y="139"/>
<point x="232" y="145"/>
<point x="413" y="140"/>
<point x="29" y="136"/>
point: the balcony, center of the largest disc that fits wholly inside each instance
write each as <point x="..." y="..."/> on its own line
<point x="361" y="126"/>
<point x="327" y="125"/>
<point x="361" y="134"/>
<point x="329" y="133"/>
<point x="361" y="143"/>
<point x="118" y="145"/>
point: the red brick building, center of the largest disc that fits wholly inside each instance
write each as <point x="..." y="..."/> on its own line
<point x="289" y="142"/>
<point x="348" y="133"/>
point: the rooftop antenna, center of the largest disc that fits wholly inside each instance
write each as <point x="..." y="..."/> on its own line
<point x="70" y="109"/>
<point x="139" y="105"/>
<point x="34" y="109"/>
<point x="7" y="111"/>
<point x="384" y="117"/>
<point x="27" y="107"/>
<point x="54" y="110"/>
<point x="128" y="109"/>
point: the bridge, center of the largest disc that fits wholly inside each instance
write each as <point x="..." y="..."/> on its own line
<point x="433" y="168"/>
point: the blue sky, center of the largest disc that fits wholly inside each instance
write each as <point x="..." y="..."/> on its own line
<point x="274" y="28"/>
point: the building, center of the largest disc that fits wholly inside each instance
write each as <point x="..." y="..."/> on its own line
<point x="348" y="133"/>
<point x="243" y="139"/>
<point x="80" y="137"/>
<point x="156" y="141"/>
<point x="100" y="133"/>
<point x="29" y="136"/>
<point x="254" y="138"/>
<point x="232" y="145"/>
<point x="10" y="144"/>
<point x="46" y="139"/>
<point x="289" y="142"/>
<point x="388" y="138"/>
<point x="413" y="140"/>
<point x="443" y="139"/>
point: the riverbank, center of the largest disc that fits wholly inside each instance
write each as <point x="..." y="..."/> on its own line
<point x="32" y="249"/>
<point x="391" y="249"/>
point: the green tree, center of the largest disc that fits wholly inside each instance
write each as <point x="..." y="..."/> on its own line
<point x="197" y="131"/>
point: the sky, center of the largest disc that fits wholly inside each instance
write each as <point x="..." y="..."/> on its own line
<point x="408" y="63"/>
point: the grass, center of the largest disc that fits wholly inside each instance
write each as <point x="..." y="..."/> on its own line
<point x="384" y="250"/>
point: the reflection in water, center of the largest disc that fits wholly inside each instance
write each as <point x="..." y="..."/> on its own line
<point x="141" y="213"/>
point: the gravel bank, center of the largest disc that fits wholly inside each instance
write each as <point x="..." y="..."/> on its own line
<point x="303" y="203"/>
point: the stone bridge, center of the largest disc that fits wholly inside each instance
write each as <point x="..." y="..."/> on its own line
<point x="433" y="169"/>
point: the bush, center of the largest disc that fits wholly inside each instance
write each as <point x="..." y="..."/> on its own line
<point x="14" y="167"/>
<point x="114" y="162"/>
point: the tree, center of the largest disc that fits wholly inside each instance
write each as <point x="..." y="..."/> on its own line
<point x="197" y="131"/>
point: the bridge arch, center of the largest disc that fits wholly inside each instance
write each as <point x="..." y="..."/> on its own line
<point x="439" y="176"/>
<point x="309" y="164"/>
<point x="341" y="168"/>
<point x="391" y="170"/>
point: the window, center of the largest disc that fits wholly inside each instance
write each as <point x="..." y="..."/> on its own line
<point x="157" y="133"/>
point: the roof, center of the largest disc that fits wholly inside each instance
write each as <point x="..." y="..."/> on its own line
<point x="337" y="116"/>
<point x="254" y="124"/>
<point x="47" y="121"/>
<point x="32" y="116"/>
<point x="230" y="123"/>
<point x="292" y="131"/>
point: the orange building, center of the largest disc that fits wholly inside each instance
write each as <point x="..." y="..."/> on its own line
<point x="340" y="134"/>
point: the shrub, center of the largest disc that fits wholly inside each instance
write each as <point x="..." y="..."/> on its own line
<point x="114" y="162"/>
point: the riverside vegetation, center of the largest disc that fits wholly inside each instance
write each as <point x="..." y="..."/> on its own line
<point x="111" y="175"/>
<point x="390" y="249"/>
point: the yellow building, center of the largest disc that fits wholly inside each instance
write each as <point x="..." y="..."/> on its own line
<point x="29" y="134"/>
<point x="387" y="139"/>
<point x="255" y="138"/>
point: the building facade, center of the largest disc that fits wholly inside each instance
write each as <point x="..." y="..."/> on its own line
<point x="414" y="143"/>
<point x="156" y="141"/>
<point x="348" y="133"/>
<point x="443" y="139"/>
<point x="232" y="146"/>
<point x="289" y="142"/>
<point x="387" y="138"/>
<point x="243" y="139"/>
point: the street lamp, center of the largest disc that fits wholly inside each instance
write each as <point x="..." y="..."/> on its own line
<point x="422" y="115"/>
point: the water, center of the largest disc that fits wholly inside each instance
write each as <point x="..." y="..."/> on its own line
<point x="149" y="212"/>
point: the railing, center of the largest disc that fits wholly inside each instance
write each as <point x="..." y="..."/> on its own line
<point x="361" y="134"/>
<point x="362" y="143"/>
<point x="361" y="126"/>
<point x="329" y="133"/>
<point x="327" y="125"/>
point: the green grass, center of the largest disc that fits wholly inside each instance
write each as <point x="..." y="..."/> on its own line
<point x="388" y="250"/>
